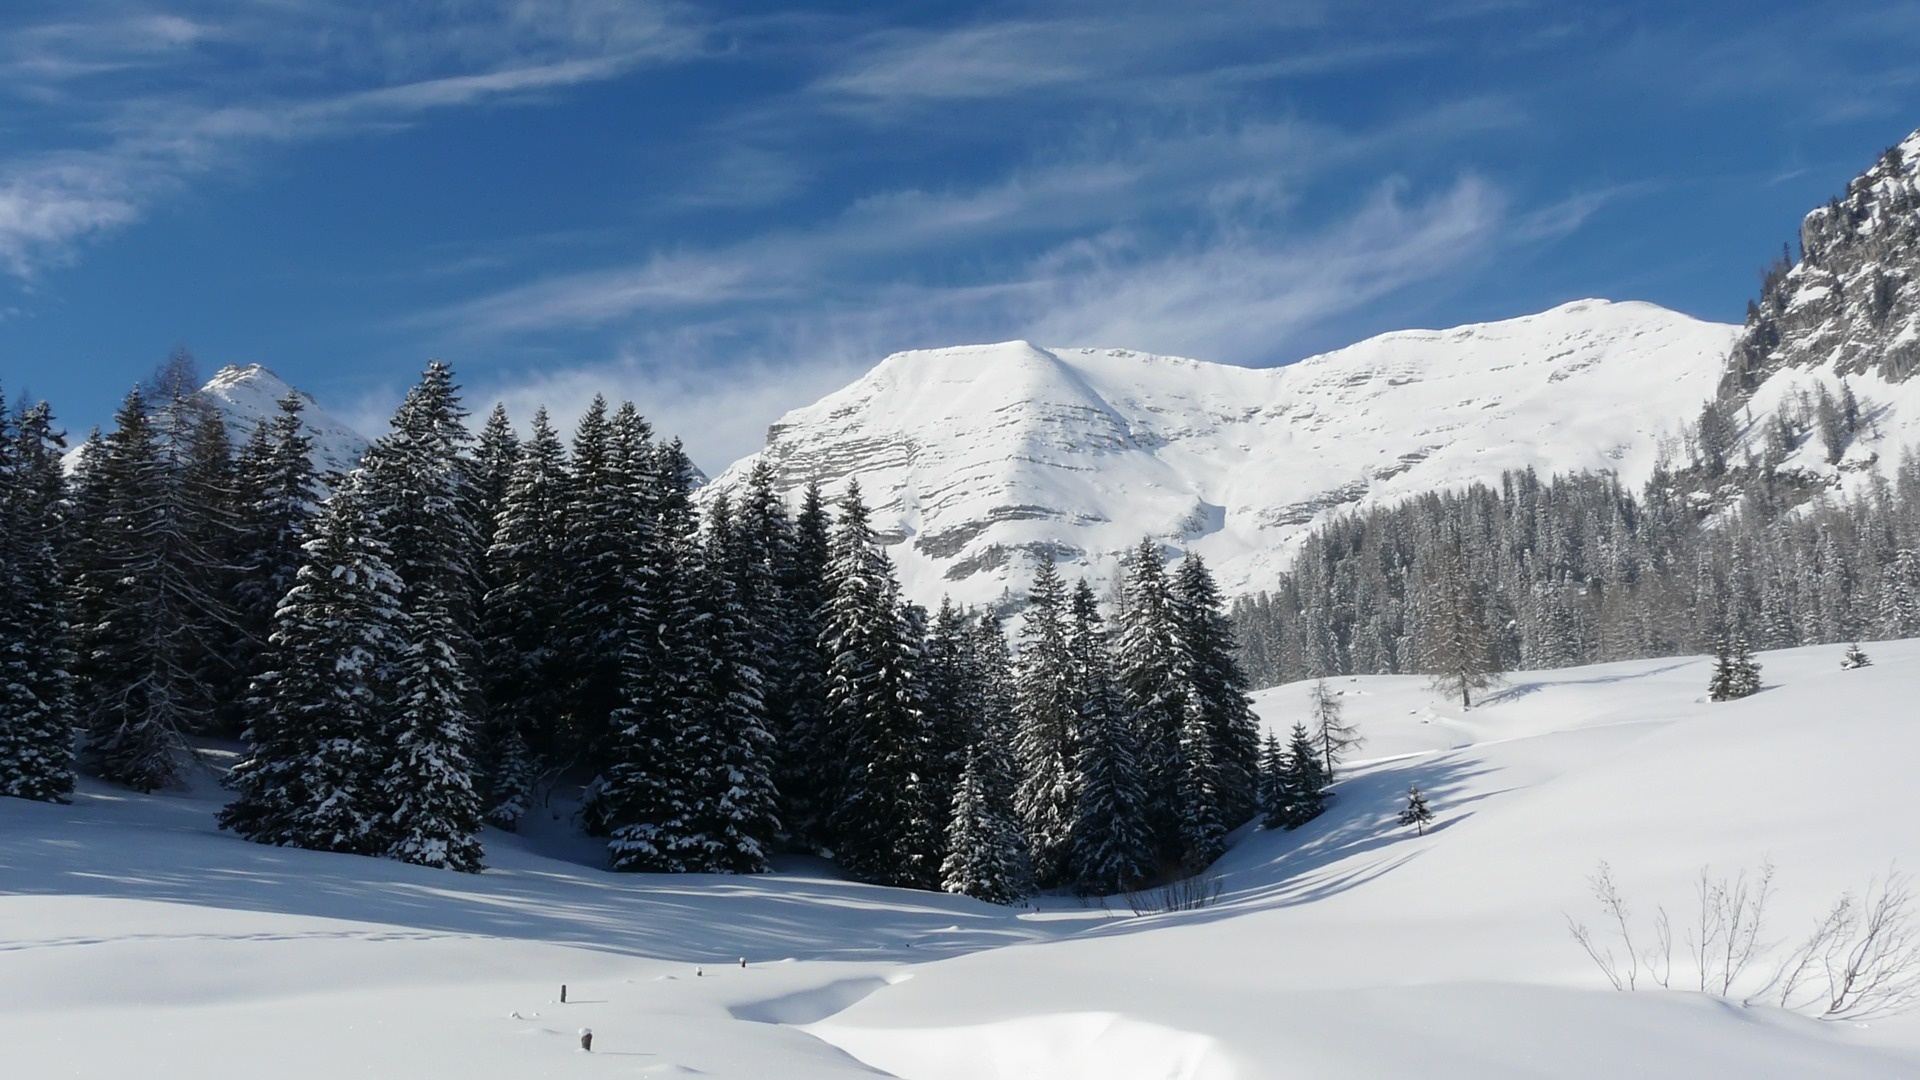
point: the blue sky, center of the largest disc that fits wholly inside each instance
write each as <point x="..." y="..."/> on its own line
<point x="726" y="210"/>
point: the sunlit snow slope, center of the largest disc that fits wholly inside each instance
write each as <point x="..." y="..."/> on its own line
<point x="976" y="459"/>
<point x="138" y="940"/>
<point x="247" y="395"/>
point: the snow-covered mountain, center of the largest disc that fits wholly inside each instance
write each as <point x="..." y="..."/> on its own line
<point x="978" y="459"/>
<point x="247" y="395"/>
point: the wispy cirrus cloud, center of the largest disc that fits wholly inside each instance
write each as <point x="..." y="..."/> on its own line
<point x="122" y="103"/>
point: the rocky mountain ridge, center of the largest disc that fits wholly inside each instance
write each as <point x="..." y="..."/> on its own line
<point x="979" y="460"/>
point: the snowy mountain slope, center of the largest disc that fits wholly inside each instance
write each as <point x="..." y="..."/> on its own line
<point x="137" y="939"/>
<point x="976" y="459"/>
<point x="247" y="395"/>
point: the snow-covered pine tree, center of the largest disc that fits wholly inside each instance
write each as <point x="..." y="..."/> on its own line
<point x="1416" y="813"/>
<point x="1720" y="686"/>
<point x="1153" y="689"/>
<point x="417" y="480"/>
<point x="428" y="781"/>
<point x="1046" y="739"/>
<point x="1458" y="649"/>
<point x="953" y="698"/>
<point x="661" y="733"/>
<point x="1216" y="693"/>
<point x="805" y="762"/>
<point x="731" y="804"/>
<point x="1332" y="732"/>
<point x="311" y="777"/>
<point x="278" y="495"/>
<point x="210" y="499"/>
<point x="1275" y="795"/>
<point x="36" y="691"/>
<point x="143" y="598"/>
<point x="1111" y="849"/>
<point x="1306" y="782"/>
<point x="526" y="671"/>
<point x="1855" y="658"/>
<point x="604" y="602"/>
<point x="986" y="855"/>
<point x="883" y="827"/>
<point x="1745" y="669"/>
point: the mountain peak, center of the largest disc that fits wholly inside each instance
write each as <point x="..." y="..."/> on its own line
<point x="980" y="460"/>
<point x="250" y="393"/>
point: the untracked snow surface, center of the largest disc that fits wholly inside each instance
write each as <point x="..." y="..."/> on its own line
<point x="975" y="459"/>
<point x="138" y="940"/>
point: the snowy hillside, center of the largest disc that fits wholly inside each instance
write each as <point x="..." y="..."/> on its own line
<point x="136" y="939"/>
<point x="975" y="459"/>
<point x="250" y="394"/>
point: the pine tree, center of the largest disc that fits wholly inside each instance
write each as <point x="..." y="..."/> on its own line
<point x="526" y="670"/>
<point x="661" y="731"/>
<point x="1146" y="662"/>
<point x="1216" y="694"/>
<point x="1459" y="651"/>
<point x="1720" y="687"/>
<point x="1276" y="798"/>
<point x="144" y="602"/>
<point x="1746" y="670"/>
<point x="1112" y="850"/>
<point x="731" y="812"/>
<point x="417" y="481"/>
<point x="882" y="825"/>
<point x="278" y="495"/>
<point x="1305" y="785"/>
<point x="1855" y="658"/>
<point x="36" y="691"/>
<point x="985" y="852"/>
<point x="953" y="697"/>
<point x="311" y="778"/>
<point x="1335" y="735"/>
<point x="1045" y="737"/>
<point x="806" y="761"/>
<point x="1416" y="812"/>
<point x="428" y="781"/>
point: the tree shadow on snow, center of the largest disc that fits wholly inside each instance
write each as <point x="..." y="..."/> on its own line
<point x="111" y="843"/>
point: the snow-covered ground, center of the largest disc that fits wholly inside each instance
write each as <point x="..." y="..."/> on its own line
<point x="137" y="940"/>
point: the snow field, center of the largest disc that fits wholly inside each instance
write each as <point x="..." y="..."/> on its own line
<point x="136" y="939"/>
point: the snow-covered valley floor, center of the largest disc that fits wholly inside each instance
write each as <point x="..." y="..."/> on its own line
<point x="138" y="940"/>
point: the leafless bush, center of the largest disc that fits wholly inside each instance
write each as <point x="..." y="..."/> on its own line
<point x="1862" y="960"/>
<point x="1184" y="894"/>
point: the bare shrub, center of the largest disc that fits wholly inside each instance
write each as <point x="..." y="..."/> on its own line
<point x="1183" y="894"/>
<point x="1861" y="960"/>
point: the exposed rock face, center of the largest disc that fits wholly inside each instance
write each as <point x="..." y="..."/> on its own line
<point x="1852" y="302"/>
<point x="978" y="460"/>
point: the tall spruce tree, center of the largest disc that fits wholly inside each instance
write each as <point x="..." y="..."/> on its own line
<point x="806" y="760"/>
<point x="145" y="602"/>
<point x="986" y="857"/>
<point x="1111" y="850"/>
<point x="883" y="826"/>
<point x="417" y="480"/>
<point x="36" y="690"/>
<point x="1046" y="739"/>
<point x="1153" y="689"/>
<point x="312" y="776"/>
<point x="278" y="495"/>
<point x="1216" y="693"/>
<point x="526" y="669"/>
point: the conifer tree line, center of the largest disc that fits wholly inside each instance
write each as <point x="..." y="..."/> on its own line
<point x="1577" y="569"/>
<point x="419" y="646"/>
